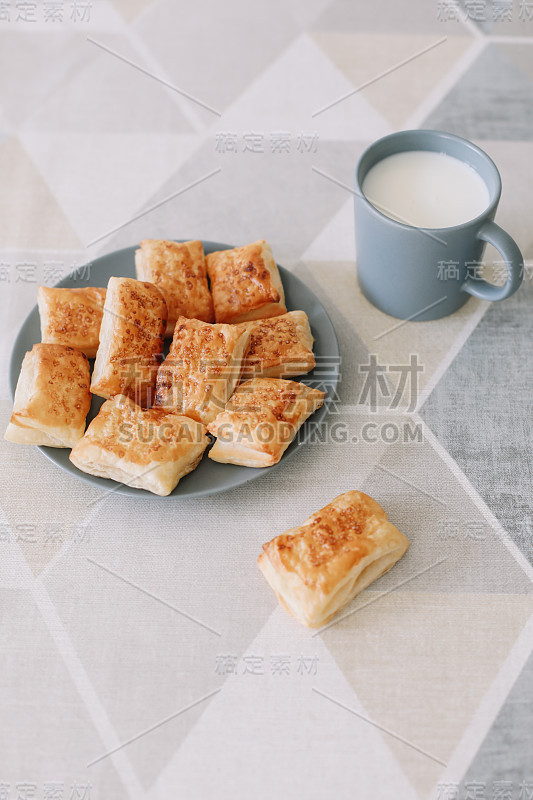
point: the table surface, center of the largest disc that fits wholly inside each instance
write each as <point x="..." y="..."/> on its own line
<point x="143" y="654"/>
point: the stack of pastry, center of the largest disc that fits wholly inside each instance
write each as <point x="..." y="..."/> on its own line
<point x="234" y="349"/>
<point x="227" y="373"/>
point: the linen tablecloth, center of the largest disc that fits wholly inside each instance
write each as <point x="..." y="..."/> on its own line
<point x="142" y="653"/>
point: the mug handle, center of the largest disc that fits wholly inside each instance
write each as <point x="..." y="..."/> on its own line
<point x="507" y="247"/>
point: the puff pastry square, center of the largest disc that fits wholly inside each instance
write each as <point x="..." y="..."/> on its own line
<point x="280" y="347"/>
<point x="245" y="283"/>
<point x="131" y="340"/>
<point x="178" y="270"/>
<point x="52" y="397"/>
<point x="202" y="368"/>
<point x="320" y="566"/>
<point x="261" y="420"/>
<point x="72" y="317"/>
<point x="150" y="449"/>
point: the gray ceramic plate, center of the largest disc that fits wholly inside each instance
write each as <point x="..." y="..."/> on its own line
<point x="209" y="477"/>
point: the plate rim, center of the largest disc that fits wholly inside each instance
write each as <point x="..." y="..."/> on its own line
<point x="124" y="490"/>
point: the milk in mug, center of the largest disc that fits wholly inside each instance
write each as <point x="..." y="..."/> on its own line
<point x="426" y="189"/>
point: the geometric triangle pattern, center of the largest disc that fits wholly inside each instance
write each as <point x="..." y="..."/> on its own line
<point x="491" y="429"/>
<point x="475" y="108"/>
<point x="144" y="654"/>
<point x="496" y="18"/>
<point x="501" y="753"/>
<point x="399" y="93"/>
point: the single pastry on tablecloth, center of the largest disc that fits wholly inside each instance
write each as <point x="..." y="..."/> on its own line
<point x="260" y="421"/>
<point x="72" y="317"/>
<point x="280" y="347"/>
<point x="178" y="270"/>
<point x="203" y="366"/>
<point x="147" y="449"/>
<point x="131" y="340"/>
<point x="320" y="566"/>
<point x="245" y="283"/>
<point x="52" y="397"/>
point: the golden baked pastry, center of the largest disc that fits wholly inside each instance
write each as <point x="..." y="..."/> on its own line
<point x="260" y="421"/>
<point x="320" y="566"/>
<point x="150" y="449"/>
<point x="52" y="397"/>
<point x="280" y="347"/>
<point x="71" y="317"/>
<point x="245" y="283"/>
<point x="202" y="368"/>
<point x="131" y="340"/>
<point x="178" y="270"/>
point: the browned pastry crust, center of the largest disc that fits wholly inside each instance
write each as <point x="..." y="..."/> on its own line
<point x="52" y="397"/>
<point x="245" y="283"/>
<point x="280" y="347"/>
<point x="178" y="270"/>
<point x="71" y="317"/>
<point x="202" y="368"/>
<point x="260" y="421"/>
<point x="147" y="449"/>
<point x="320" y="566"/>
<point x="131" y="340"/>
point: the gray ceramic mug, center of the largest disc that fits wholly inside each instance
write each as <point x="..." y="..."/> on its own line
<point x="400" y="267"/>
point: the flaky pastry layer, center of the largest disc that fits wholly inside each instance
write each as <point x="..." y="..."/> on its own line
<point x="320" y="566"/>
<point x="178" y="269"/>
<point x="147" y="449"/>
<point x="52" y="397"/>
<point x="131" y="340"/>
<point x="245" y="283"/>
<point x="280" y="347"/>
<point x="202" y="368"/>
<point x="72" y="317"/>
<point x="260" y="421"/>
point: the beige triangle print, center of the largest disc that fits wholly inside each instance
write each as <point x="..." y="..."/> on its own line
<point x="427" y="692"/>
<point x="397" y="94"/>
<point x="268" y="734"/>
<point x="20" y="229"/>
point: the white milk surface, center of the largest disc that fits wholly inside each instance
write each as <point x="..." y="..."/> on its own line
<point x="426" y="189"/>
